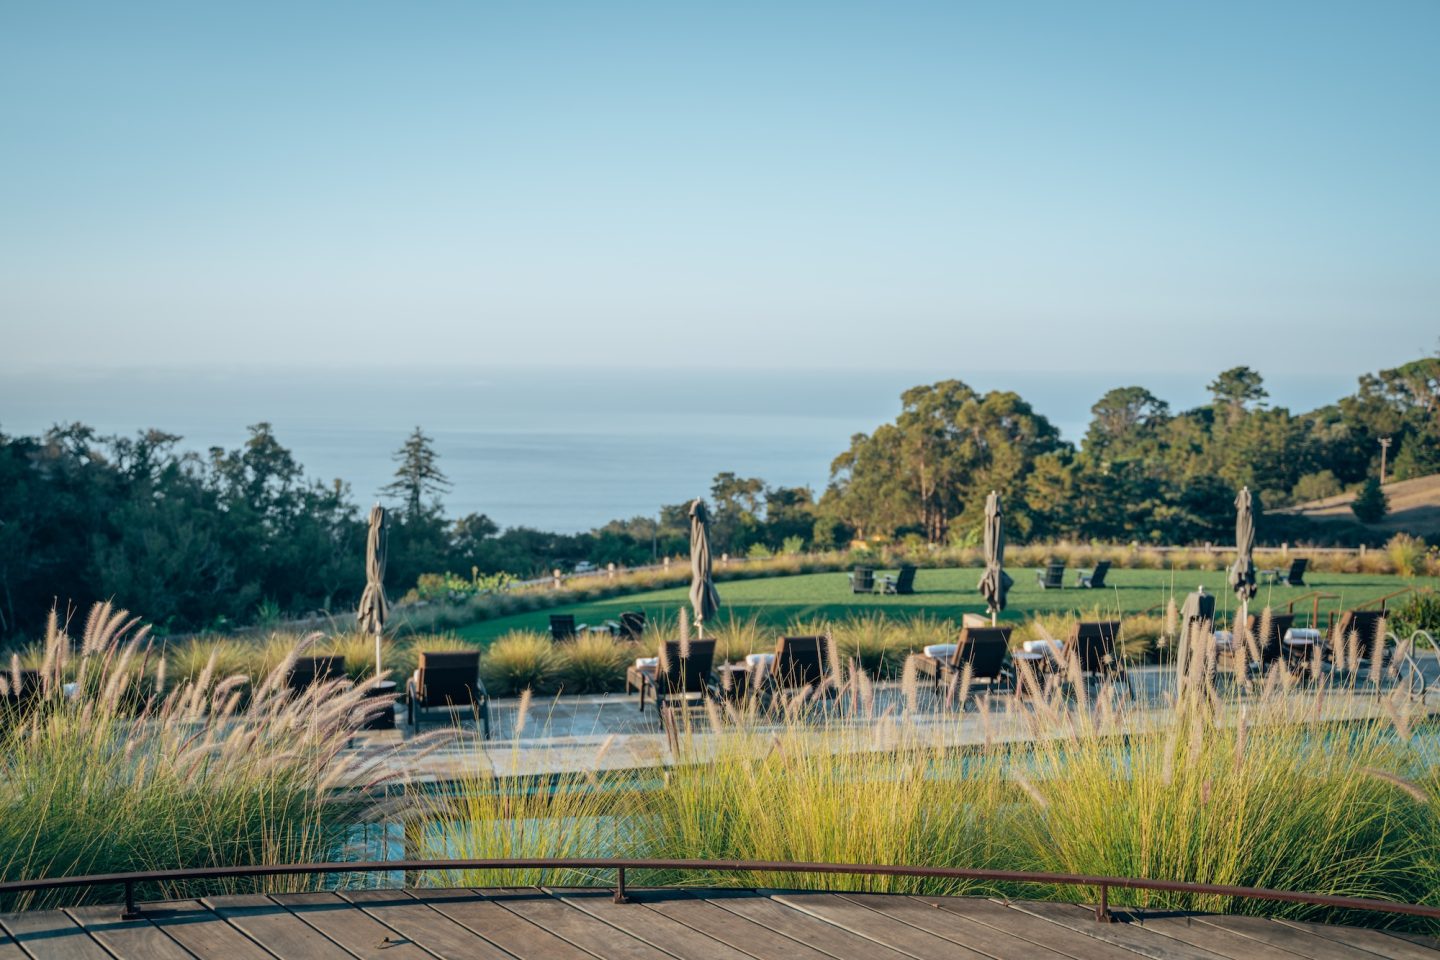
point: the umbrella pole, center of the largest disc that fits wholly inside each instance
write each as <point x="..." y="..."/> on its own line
<point x="378" y="634"/>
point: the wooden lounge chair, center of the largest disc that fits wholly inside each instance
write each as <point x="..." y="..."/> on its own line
<point x="449" y="679"/>
<point x="305" y="672"/>
<point x="1359" y="637"/>
<point x="1095" y="579"/>
<point x="1272" y="646"/>
<point x="1095" y="645"/>
<point x="1294" y="577"/>
<point x="900" y="584"/>
<point x="563" y="627"/>
<point x="984" y="649"/>
<point x="797" y="663"/>
<point x="632" y="624"/>
<point x="673" y="676"/>
<point x="1052" y="577"/>
<point x="862" y="580"/>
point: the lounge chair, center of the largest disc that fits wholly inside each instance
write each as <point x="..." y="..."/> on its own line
<point x="669" y="676"/>
<point x="900" y="584"/>
<point x="984" y="649"/>
<point x="1273" y="646"/>
<point x="449" y="679"/>
<point x="1095" y="644"/>
<point x="563" y="627"/>
<point x="1052" y="577"/>
<point x="1356" y="641"/>
<point x="1294" y="577"/>
<point x="862" y="580"/>
<point x="305" y="672"/>
<point x="632" y="624"/>
<point x="797" y="663"/>
<point x="1095" y="579"/>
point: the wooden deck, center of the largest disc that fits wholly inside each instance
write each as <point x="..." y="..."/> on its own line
<point x="721" y="924"/>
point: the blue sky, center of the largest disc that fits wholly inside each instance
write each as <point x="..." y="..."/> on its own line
<point x="892" y="185"/>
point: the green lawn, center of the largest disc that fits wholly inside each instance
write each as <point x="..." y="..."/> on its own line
<point x="948" y="593"/>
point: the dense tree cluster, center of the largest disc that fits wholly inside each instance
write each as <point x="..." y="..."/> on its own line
<point x="201" y="539"/>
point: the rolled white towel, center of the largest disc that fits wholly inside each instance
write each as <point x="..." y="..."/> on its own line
<point x="1043" y="646"/>
<point x="647" y="661"/>
<point x="760" y="659"/>
<point x="941" y="651"/>
<point x="1302" y="634"/>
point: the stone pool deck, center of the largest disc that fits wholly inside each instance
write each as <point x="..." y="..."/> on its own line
<point x="608" y="732"/>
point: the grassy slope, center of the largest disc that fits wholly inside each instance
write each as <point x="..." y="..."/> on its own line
<point x="1414" y="507"/>
<point x="942" y="593"/>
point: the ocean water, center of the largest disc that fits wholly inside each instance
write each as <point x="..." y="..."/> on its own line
<point x="557" y="449"/>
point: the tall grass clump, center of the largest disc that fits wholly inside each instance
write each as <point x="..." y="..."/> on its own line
<point x="521" y="660"/>
<point x="129" y="770"/>
<point x="594" y="663"/>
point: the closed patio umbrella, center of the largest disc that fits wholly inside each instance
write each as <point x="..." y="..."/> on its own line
<point x="995" y="582"/>
<point x="1242" y="574"/>
<point x="703" y="596"/>
<point x="373" y="606"/>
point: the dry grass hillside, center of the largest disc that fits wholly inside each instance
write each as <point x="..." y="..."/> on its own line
<point x="1414" y="508"/>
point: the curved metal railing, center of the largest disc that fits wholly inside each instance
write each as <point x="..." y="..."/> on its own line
<point x="1102" y="910"/>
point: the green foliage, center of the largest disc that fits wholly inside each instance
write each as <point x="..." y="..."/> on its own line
<point x="1419" y="611"/>
<point x="1316" y="486"/>
<point x="519" y="661"/>
<point x="1370" y="504"/>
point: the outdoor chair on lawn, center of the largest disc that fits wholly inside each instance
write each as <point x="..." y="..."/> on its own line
<point x="984" y="649"/>
<point x="1294" y="577"/>
<point x="563" y="627"/>
<point x="901" y="584"/>
<point x="450" y="680"/>
<point x="862" y="580"/>
<point x="306" y="672"/>
<point x="673" y="675"/>
<point x="1052" y="577"/>
<point x="1095" y="579"/>
<point x="1095" y="645"/>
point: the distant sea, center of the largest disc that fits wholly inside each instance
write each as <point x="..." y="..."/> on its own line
<point x="559" y="449"/>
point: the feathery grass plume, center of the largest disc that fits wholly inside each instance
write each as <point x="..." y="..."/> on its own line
<point x="684" y="629"/>
<point x="522" y="712"/>
<point x="1172" y="619"/>
<point x="910" y="684"/>
<point x="1394" y="779"/>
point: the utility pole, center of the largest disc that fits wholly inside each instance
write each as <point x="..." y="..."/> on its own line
<point x="1384" y="449"/>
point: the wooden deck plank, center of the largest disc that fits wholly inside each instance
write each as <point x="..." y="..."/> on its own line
<point x="1294" y="939"/>
<point x="1378" y="942"/>
<point x="422" y="926"/>
<point x="1061" y="939"/>
<point x="955" y="927"/>
<point x="43" y="934"/>
<point x="721" y="925"/>
<point x="1188" y="928"/>
<point x="1131" y="936"/>
<point x="656" y="929"/>
<point x="573" y="926"/>
<point x="9" y="949"/>
<point x="354" y="930"/>
<point x="875" y="926"/>
<point x="274" y="927"/>
<point x="127" y="939"/>
<point x="507" y="931"/>
<point x="798" y="925"/>
<point x="197" y="929"/>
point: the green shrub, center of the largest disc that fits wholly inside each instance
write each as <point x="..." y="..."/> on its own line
<point x="1370" y="504"/>
<point x="594" y="663"/>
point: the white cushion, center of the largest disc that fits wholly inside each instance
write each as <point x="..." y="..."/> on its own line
<point x="1043" y="646"/>
<point x="1224" y="638"/>
<point x="941" y="651"/>
<point x="71" y="690"/>
<point x="647" y="661"/>
<point x="1302" y="633"/>
<point x="760" y="659"/>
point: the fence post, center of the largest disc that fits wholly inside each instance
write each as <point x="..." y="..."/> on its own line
<point x="558" y="581"/>
<point x="610" y="568"/>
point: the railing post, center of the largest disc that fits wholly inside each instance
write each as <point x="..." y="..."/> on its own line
<point x="620" y="896"/>
<point x="131" y="912"/>
<point x="1102" y="911"/>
